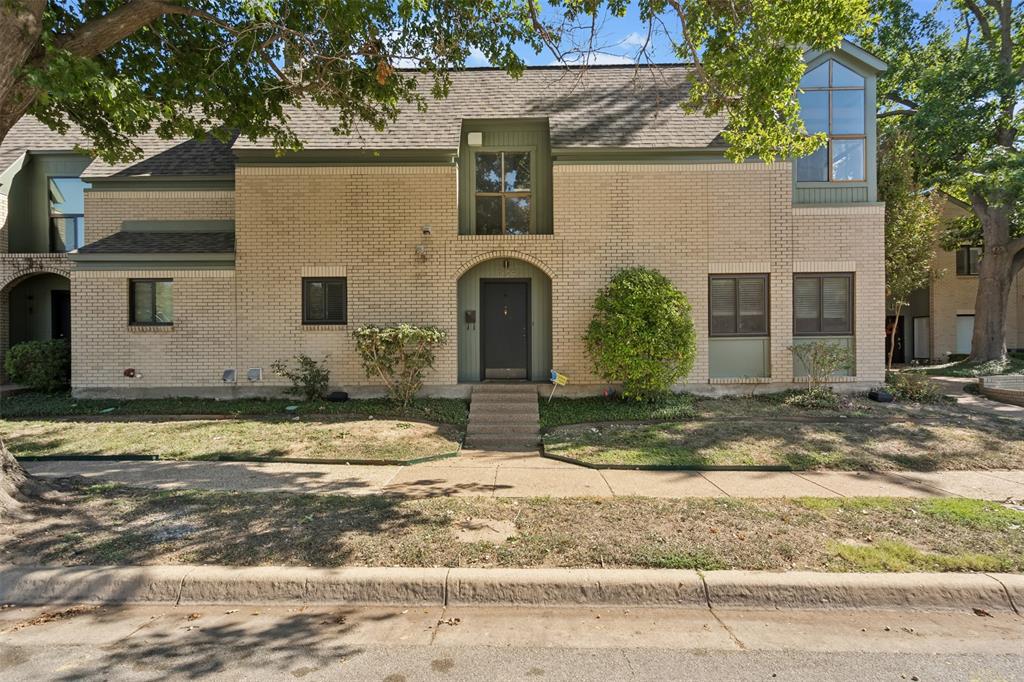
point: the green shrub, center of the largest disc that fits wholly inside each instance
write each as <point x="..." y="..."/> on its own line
<point x="814" y="398"/>
<point x="913" y="388"/>
<point x="41" y="365"/>
<point x="399" y="356"/>
<point x="310" y="380"/>
<point x="642" y="335"/>
<point x="822" y="359"/>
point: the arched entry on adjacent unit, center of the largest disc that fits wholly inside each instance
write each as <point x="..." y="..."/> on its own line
<point x="34" y="307"/>
<point x="504" y="308"/>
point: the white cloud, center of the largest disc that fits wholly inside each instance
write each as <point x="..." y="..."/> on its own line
<point x="477" y="58"/>
<point x="593" y="59"/>
<point x="634" y="39"/>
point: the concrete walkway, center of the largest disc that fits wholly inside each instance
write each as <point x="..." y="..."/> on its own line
<point x="509" y="474"/>
<point x="954" y="387"/>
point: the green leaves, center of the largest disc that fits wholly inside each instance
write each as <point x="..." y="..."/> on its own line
<point x="642" y="334"/>
<point x="399" y="356"/>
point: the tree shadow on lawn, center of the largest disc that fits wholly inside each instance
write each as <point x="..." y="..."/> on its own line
<point x="193" y="439"/>
<point x="832" y="444"/>
<point x="110" y="524"/>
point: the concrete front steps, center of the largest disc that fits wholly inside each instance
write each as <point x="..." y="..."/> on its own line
<point x="503" y="417"/>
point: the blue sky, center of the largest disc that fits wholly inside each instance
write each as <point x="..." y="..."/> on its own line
<point x="620" y="40"/>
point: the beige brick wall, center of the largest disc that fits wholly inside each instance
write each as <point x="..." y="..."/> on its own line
<point x="192" y="352"/>
<point x="951" y="294"/>
<point x="365" y="222"/>
<point x="106" y="209"/>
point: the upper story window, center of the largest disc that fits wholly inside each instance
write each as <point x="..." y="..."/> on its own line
<point x="967" y="258"/>
<point x="832" y="102"/>
<point x="503" y="192"/>
<point x="67" y="211"/>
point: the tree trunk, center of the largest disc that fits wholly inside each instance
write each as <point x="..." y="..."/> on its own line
<point x="21" y="24"/>
<point x="892" y="337"/>
<point x="16" y="486"/>
<point x="996" y="271"/>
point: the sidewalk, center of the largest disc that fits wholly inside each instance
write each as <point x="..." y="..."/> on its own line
<point x="509" y="474"/>
<point x="954" y="387"/>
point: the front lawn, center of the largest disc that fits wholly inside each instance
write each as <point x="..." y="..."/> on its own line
<point x="25" y="405"/>
<point x="832" y="442"/>
<point x="309" y="437"/>
<point x="562" y="411"/>
<point x="107" y="524"/>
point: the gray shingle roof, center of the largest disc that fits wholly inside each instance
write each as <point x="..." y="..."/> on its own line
<point x="596" y="107"/>
<point x="28" y="134"/>
<point x="163" y="242"/>
<point x="622" y="107"/>
<point x="180" y="157"/>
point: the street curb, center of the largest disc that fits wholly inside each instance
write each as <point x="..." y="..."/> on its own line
<point x="511" y="587"/>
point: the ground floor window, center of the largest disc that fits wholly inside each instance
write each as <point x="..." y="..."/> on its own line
<point x="150" y="302"/>
<point x="964" y="334"/>
<point x="738" y="312"/>
<point x="324" y="300"/>
<point x="823" y="304"/>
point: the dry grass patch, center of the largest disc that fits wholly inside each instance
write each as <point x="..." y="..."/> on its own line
<point x="274" y="438"/>
<point x="871" y="444"/>
<point x="114" y="525"/>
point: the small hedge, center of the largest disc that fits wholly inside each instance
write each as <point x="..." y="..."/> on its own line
<point x="642" y="335"/>
<point x="40" y="365"/>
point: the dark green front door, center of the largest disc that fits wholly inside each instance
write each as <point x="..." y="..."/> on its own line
<point x="505" y="341"/>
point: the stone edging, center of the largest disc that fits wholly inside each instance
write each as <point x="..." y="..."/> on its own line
<point x="515" y="587"/>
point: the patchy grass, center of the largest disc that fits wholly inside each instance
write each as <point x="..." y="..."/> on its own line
<point x="27" y="405"/>
<point x="561" y="411"/>
<point x="113" y="525"/>
<point x="966" y="442"/>
<point x="312" y="437"/>
<point x="1013" y="364"/>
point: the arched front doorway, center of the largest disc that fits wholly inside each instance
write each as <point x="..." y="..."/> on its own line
<point x="35" y="307"/>
<point x="504" y="308"/>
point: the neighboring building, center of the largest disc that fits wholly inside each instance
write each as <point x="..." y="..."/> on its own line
<point x="497" y="215"/>
<point x="939" y="323"/>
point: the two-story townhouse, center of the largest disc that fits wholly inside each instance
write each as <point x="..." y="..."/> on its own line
<point x="938" y="325"/>
<point x="497" y="215"/>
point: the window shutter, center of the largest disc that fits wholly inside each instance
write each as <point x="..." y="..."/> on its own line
<point x="805" y="305"/>
<point x="723" y="306"/>
<point x="835" y="308"/>
<point x="751" y="295"/>
<point x="336" y="303"/>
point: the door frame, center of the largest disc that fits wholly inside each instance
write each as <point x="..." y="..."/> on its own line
<point x="484" y="281"/>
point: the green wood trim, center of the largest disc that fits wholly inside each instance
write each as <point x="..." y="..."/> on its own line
<point x="140" y="264"/>
<point x="178" y="226"/>
<point x="346" y="157"/>
<point x="213" y="183"/>
<point x="606" y="155"/>
<point x="76" y="257"/>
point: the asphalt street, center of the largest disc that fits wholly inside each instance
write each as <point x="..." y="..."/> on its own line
<point x="250" y="642"/>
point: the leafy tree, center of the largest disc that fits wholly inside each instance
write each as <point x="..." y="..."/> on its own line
<point x="642" y="334"/>
<point x="117" y="68"/>
<point x="954" y="89"/>
<point x="911" y="220"/>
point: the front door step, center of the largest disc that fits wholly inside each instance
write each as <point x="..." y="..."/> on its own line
<point x="503" y="416"/>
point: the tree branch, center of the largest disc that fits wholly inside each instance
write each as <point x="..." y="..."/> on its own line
<point x="897" y="112"/>
<point x="986" y="28"/>
<point x="102" y="33"/>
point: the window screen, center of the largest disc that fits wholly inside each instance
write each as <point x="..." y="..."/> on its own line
<point x="325" y="300"/>
<point x="823" y="304"/>
<point x="739" y="305"/>
<point x="150" y="302"/>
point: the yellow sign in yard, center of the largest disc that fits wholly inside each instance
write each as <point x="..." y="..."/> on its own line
<point x="556" y="381"/>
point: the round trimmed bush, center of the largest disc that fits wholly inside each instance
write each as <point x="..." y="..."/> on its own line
<point x="642" y="334"/>
<point x="40" y="365"/>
